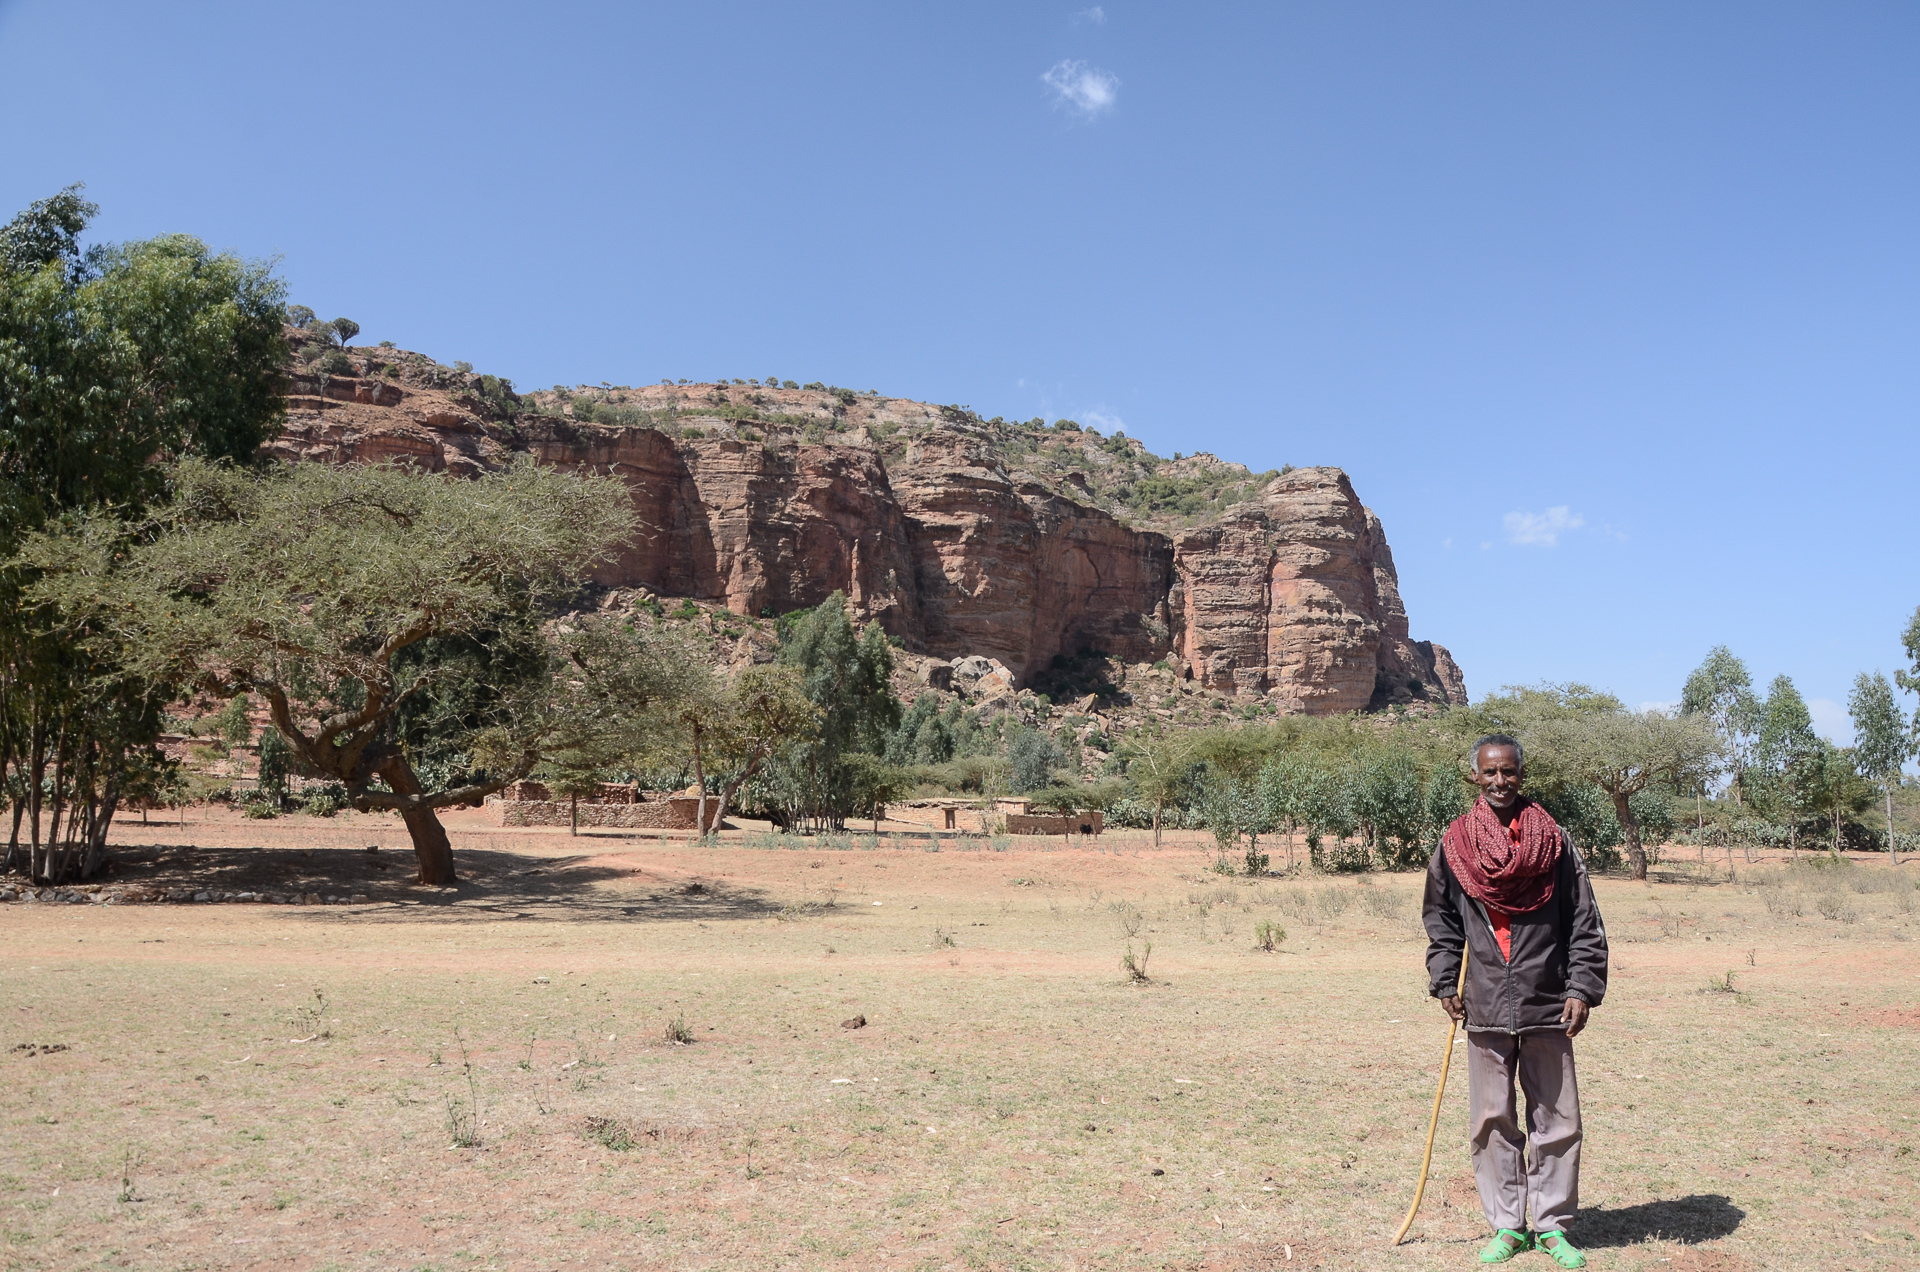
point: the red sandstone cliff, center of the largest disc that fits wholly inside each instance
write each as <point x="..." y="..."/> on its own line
<point x="914" y="512"/>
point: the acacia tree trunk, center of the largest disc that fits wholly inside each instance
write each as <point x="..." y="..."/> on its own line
<point x="1156" y="825"/>
<point x="1636" y="852"/>
<point x="699" y="780"/>
<point x="431" y="847"/>
<point x="729" y="789"/>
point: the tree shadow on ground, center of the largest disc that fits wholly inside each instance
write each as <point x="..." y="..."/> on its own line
<point x="493" y="884"/>
<point x="1687" y="1220"/>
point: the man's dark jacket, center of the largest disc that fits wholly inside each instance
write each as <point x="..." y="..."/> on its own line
<point x="1559" y="949"/>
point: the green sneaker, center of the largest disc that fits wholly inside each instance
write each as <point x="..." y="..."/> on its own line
<point x="1505" y="1244"/>
<point x="1560" y="1250"/>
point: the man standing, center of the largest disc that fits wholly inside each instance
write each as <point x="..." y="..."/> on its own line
<point x="1506" y="888"/>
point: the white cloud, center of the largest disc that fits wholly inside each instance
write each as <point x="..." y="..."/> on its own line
<point x="1095" y="16"/>
<point x="1831" y="721"/>
<point x="1085" y="90"/>
<point x="1542" y="529"/>
<point x="1106" y="423"/>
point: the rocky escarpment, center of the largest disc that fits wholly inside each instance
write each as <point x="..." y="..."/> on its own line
<point x="927" y="520"/>
<point x="1296" y="597"/>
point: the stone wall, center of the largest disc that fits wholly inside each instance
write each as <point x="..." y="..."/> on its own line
<point x="1087" y="823"/>
<point x="678" y="813"/>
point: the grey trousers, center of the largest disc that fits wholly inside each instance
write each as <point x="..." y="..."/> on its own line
<point x="1543" y="1166"/>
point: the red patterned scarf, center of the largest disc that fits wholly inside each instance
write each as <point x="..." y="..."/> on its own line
<point x="1496" y="871"/>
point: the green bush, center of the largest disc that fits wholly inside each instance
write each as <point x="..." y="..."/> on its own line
<point x="1033" y="756"/>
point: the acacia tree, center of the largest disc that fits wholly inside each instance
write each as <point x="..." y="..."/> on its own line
<point x="1882" y="741"/>
<point x="1833" y="788"/>
<point x="685" y="726"/>
<point x="765" y="709"/>
<point x="616" y="682"/>
<point x="1158" y="769"/>
<point x="1623" y="753"/>
<point x="305" y="585"/>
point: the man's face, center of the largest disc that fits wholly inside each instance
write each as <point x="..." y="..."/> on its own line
<point x="1498" y="774"/>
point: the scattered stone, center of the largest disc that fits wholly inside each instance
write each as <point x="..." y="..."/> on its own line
<point x="858" y="1022"/>
<point x="1158" y="1171"/>
<point x="358" y="898"/>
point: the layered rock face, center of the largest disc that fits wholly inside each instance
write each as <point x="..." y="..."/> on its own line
<point x="1296" y="597"/>
<point x="1292" y="596"/>
<point x="1013" y="571"/>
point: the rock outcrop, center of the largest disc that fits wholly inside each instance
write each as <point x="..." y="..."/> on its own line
<point x="1296" y="597"/>
<point x="1291" y="594"/>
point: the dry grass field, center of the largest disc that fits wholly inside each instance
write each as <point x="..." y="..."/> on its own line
<point x="485" y="1077"/>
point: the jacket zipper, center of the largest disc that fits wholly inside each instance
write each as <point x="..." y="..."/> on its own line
<point x="1506" y="961"/>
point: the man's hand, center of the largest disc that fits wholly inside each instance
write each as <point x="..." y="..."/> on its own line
<point x="1574" y="1017"/>
<point x="1456" y="1009"/>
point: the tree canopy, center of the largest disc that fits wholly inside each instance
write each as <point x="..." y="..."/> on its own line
<point x="110" y="357"/>
<point x="1572" y="734"/>
<point x="305" y="585"/>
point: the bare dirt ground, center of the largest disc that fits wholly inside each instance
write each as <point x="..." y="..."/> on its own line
<point x="239" y="1086"/>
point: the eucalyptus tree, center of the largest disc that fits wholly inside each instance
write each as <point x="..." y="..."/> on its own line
<point x="110" y="357"/>
<point x="1721" y="690"/>
<point x="845" y="672"/>
<point x="1787" y="758"/>
<point x="1883" y="740"/>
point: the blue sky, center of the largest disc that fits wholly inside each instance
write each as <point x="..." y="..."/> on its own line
<point x="1610" y="310"/>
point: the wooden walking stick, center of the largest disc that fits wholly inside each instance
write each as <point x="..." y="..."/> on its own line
<point x="1433" y="1123"/>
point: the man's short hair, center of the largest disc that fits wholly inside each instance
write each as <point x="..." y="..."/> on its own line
<point x="1497" y="739"/>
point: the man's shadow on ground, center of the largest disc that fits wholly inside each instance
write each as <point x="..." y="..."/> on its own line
<point x="1687" y="1220"/>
